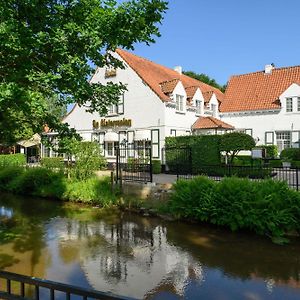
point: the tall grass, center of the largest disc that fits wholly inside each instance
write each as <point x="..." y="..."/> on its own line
<point x="47" y="183"/>
<point x="267" y="207"/>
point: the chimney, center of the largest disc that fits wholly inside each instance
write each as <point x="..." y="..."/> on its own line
<point x="178" y="69"/>
<point x="269" y="68"/>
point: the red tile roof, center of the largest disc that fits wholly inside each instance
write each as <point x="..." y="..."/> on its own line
<point x="258" y="91"/>
<point x="210" y="123"/>
<point x="154" y="74"/>
<point x="168" y="87"/>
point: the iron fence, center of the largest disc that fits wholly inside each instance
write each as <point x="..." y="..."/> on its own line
<point x="180" y="161"/>
<point x="16" y="287"/>
<point x="134" y="163"/>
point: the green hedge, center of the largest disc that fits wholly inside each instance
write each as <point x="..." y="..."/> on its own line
<point x="156" y="166"/>
<point x="267" y="207"/>
<point x="290" y="153"/>
<point x="271" y="150"/>
<point x="52" y="162"/>
<point x="12" y="160"/>
<point x="205" y="150"/>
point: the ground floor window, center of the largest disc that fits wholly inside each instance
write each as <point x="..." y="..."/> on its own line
<point x="110" y="148"/>
<point x="283" y="140"/>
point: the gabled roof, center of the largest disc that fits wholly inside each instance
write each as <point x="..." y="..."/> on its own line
<point x="154" y="75"/>
<point x="210" y="123"/>
<point x="168" y="87"/>
<point x="258" y="91"/>
<point x="190" y="91"/>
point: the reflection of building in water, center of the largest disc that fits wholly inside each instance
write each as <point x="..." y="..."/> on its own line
<point x="130" y="258"/>
<point x="6" y="212"/>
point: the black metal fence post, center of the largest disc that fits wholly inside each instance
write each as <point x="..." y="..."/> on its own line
<point x="297" y="178"/>
<point x="151" y="167"/>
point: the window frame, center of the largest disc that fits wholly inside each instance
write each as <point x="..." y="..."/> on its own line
<point x="289" y="105"/>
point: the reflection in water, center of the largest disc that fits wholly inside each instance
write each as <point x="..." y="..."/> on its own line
<point x="143" y="258"/>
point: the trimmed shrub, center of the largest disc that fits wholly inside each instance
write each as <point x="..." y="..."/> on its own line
<point x="267" y="207"/>
<point x="205" y="150"/>
<point x="271" y="150"/>
<point x="7" y="160"/>
<point x="156" y="166"/>
<point x="290" y="154"/>
<point x="275" y="163"/>
<point x="52" y="162"/>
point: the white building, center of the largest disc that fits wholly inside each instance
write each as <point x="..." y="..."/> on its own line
<point x="265" y="105"/>
<point x="160" y="102"/>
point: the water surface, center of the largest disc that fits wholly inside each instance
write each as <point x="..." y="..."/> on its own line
<point x="141" y="257"/>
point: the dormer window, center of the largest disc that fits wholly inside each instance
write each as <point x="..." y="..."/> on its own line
<point x="179" y="103"/>
<point x="289" y="104"/>
<point x="213" y="107"/>
<point x="198" y="104"/>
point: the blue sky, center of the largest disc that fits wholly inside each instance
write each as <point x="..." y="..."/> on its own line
<point x="226" y="37"/>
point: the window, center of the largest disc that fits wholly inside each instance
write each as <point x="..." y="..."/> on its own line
<point x="110" y="148"/>
<point x="248" y="131"/>
<point x="155" y="143"/>
<point x="289" y="104"/>
<point x="179" y="103"/>
<point x="198" y="107"/>
<point x="298" y="104"/>
<point x="115" y="109"/>
<point x="213" y="107"/>
<point x="283" y="140"/>
<point x="173" y="132"/>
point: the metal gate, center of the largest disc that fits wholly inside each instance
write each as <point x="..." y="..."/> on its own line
<point x="134" y="162"/>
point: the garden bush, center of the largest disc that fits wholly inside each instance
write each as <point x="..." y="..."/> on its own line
<point x="271" y="150"/>
<point x="205" y="150"/>
<point x="52" y="162"/>
<point x="290" y="154"/>
<point x="51" y="184"/>
<point x="156" y="166"/>
<point x="267" y="207"/>
<point x="12" y="160"/>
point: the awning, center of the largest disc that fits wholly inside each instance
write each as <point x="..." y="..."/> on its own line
<point x="34" y="141"/>
<point x="142" y="135"/>
<point x="111" y="137"/>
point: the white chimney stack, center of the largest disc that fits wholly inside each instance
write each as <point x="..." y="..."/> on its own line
<point x="269" y="68"/>
<point x="178" y="69"/>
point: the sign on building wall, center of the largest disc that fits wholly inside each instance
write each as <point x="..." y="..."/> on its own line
<point x="103" y="123"/>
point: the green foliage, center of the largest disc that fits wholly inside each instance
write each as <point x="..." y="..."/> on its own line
<point x="50" y="48"/>
<point x="232" y="143"/>
<point x="271" y="150"/>
<point x="205" y="150"/>
<point x="290" y="154"/>
<point x="7" y="160"/>
<point x="156" y="166"/>
<point x="88" y="159"/>
<point x="206" y="79"/>
<point x="92" y="190"/>
<point x="275" y="163"/>
<point x="267" y="207"/>
<point x="47" y="183"/>
<point x="52" y="162"/>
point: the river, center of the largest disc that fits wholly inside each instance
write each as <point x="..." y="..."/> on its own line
<point x="142" y="257"/>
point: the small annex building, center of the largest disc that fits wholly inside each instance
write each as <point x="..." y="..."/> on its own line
<point x="159" y="102"/>
<point x="266" y="105"/>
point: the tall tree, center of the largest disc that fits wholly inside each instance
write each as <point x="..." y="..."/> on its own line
<point x="51" y="47"/>
<point x="206" y="79"/>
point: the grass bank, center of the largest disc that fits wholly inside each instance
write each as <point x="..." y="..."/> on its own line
<point x="43" y="182"/>
<point x="266" y="207"/>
